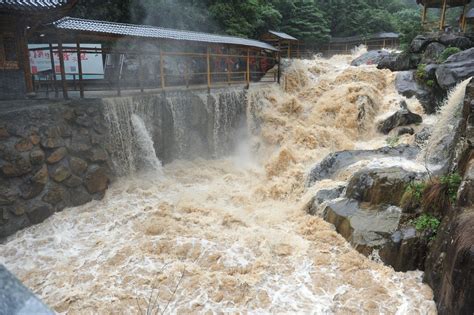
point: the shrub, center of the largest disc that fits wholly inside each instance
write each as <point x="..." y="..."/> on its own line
<point x="421" y="74"/>
<point x="452" y="182"/>
<point x="430" y="83"/>
<point x="412" y="196"/>
<point x="426" y="222"/>
<point x="447" y="53"/>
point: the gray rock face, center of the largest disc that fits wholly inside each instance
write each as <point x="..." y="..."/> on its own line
<point x="432" y="53"/>
<point x="455" y="69"/>
<point x="402" y="117"/>
<point x="407" y="86"/>
<point x="322" y="196"/>
<point x="399" y="62"/>
<point x="423" y="136"/>
<point x="452" y="40"/>
<point x="338" y="161"/>
<point x="380" y="186"/>
<point x="372" y="57"/>
<point x="16" y="299"/>
<point x="420" y="42"/>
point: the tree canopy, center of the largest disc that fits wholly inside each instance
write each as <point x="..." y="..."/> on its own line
<point x="309" y="20"/>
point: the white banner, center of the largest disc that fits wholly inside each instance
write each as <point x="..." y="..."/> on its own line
<point x="92" y="64"/>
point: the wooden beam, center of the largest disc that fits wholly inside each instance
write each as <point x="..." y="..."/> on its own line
<point x="162" y="70"/>
<point x="140" y="73"/>
<point x="443" y="16"/>
<point x="61" y="65"/>
<point x="248" y="68"/>
<point x="463" y="19"/>
<point x="53" y="67"/>
<point x="79" y="67"/>
<point x="209" y="79"/>
<point x="24" y="57"/>
<point x="423" y="17"/>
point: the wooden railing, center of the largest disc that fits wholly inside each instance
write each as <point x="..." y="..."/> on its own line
<point x="163" y="70"/>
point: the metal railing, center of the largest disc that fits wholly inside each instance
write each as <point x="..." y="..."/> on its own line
<point x="163" y="70"/>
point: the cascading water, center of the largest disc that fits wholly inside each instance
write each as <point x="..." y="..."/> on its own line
<point x="213" y="236"/>
<point x="146" y="145"/>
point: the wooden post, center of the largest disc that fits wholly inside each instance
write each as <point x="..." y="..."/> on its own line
<point x="53" y="67"/>
<point x="463" y="20"/>
<point x="279" y="67"/>
<point x="162" y="70"/>
<point x="25" y="58"/>
<point x="298" y="51"/>
<point x="140" y="73"/>
<point x="209" y="79"/>
<point x="61" y="65"/>
<point x="443" y="16"/>
<point x="79" y="67"/>
<point x="289" y="50"/>
<point x="248" y="68"/>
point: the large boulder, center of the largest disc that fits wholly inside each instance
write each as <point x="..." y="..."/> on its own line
<point x="399" y="61"/>
<point x="402" y="117"/>
<point x="372" y="57"/>
<point x="432" y="53"/>
<point x="323" y="196"/>
<point x="335" y="162"/>
<point x="380" y="186"/>
<point x="407" y="85"/>
<point x="453" y="40"/>
<point x="420" y="42"/>
<point x="455" y="69"/>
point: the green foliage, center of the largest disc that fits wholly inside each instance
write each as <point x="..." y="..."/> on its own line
<point x="426" y="222"/>
<point x="452" y="182"/>
<point x="415" y="189"/>
<point x="447" y="53"/>
<point x="430" y="83"/>
<point x="310" y="20"/>
<point x="421" y="74"/>
<point x="392" y="141"/>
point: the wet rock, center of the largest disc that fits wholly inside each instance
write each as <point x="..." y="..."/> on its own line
<point x="55" y="195"/>
<point x="322" y="196"/>
<point x="423" y="135"/>
<point x="406" y="250"/>
<point x="402" y="117"/>
<point x="73" y="181"/>
<point x="372" y="57"/>
<point x="23" y="145"/>
<point x="37" y="157"/>
<point x="57" y="156"/>
<point x="453" y="40"/>
<point x="34" y="186"/>
<point x="52" y="142"/>
<point x="405" y="131"/>
<point x="335" y="162"/>
<point x="380" y="186"/>
<point x="80" y="143"/>
<point x="399" y="62"/>
<point x="363" y="228"/>
<point x="39" y="213"/>
<point x="407" y="86"/>
<point x="7" y="196"/>
<point x="432" y="53"/>
<point x="420" y="42"/>
<point x="455" y="69"/>
<point x="98" y="155"/>
<point x="20" y="167"/>
<point x="79" y="196"/>
<point x="78" y="166"/>
<point x="449" y="266"/>
<point x="430" y="70"/>
<point x="60" y="173"/>
<point x="35" y="139"/>
<point x="11" y="223"/>
<point x="96" y="180"/>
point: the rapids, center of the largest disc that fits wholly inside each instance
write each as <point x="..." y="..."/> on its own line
<point x="230" y="235"/>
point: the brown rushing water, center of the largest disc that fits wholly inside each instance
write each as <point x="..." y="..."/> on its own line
<point x="230" y="235"/>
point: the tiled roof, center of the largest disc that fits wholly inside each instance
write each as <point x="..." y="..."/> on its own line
<point x="32" y="5"/>
<point x="112" y="28"/>
<point x="439" y="3"/>
<point x="282" y="35"/>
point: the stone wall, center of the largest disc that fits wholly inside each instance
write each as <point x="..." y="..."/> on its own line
<point x="52" y="156"/>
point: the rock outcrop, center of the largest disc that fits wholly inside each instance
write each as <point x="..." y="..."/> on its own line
<point x="372" y="57"/>
<point x="402" y="117"/>
<point x="456" y="68"/>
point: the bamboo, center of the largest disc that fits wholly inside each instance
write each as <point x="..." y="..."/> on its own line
<point x="61" y="65"/>
<point x="79" y="65"/>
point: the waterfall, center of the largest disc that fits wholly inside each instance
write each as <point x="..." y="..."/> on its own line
<point x="440" y="149"/>
<point x="146" y="145"/>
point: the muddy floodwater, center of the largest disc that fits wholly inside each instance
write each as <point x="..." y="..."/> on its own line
<point x="231" y="235"/>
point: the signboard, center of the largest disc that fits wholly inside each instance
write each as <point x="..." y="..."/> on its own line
<point x="92" y="63"/>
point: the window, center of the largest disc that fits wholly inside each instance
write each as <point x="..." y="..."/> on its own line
<point x="10" y="49"/>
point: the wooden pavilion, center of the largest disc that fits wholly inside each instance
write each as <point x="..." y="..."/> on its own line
<point x="443" y="5"/>
<point x="287" y="44"/>
<point x="18" y="18"/>
<point x="149" y="57"/>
